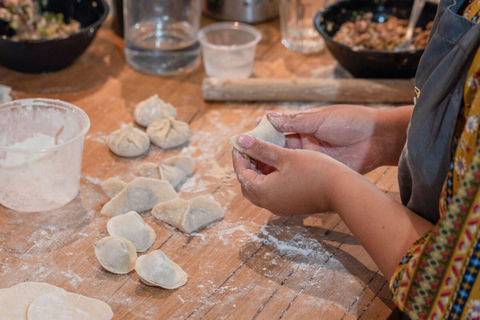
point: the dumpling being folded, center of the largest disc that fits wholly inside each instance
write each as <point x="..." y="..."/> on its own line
<point x="128" y="142"/>
<point x="155" y="269"/>
<point x="139" y="195"/>
<point x="168" y="133"/>
<point x="115" y="254"/>
<point x="188" y="216"/>
<point x="131" y="226"/>
<point x="264" y="131"/>
<point x="153" y="109"/>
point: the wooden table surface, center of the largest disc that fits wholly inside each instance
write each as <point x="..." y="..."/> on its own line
<point x="251" y="265"/>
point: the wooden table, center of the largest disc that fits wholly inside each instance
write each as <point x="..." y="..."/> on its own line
<point x="251" y="265"/>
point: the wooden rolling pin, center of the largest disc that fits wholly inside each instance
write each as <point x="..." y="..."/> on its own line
<point x="325" y="90"/>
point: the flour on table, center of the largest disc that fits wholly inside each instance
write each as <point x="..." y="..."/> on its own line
<point x="5" y="94"/>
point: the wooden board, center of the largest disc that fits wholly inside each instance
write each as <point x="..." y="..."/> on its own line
<point x="251" y="265"/>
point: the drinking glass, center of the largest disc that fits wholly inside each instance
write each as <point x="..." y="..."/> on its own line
<point x="161" y="35"/>
<point x="296" y="24"/>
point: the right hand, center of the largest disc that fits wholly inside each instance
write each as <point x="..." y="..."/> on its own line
<point x="360" y="137"/>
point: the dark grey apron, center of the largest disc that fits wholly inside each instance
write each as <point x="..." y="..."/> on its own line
<point x="439" y="82"/>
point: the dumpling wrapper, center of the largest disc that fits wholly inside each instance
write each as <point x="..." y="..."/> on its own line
<point x="14" y="301"/>
<point x="113" y="186"/>
<point x="189" y="216"/>
<point x="153" y="109"/>
<point x="175" y="170"/>
<point x="264" y="131"/>
<point x="168" y="133"/>
<point x="139" y="195"/>
<point x="68" y="306"/>
<point x="116" y="254"/>
<point x="129" y="142"/>
<point x="149" y="170"/>
<point x="155" y="269"/>
<point x="131" y="226"/>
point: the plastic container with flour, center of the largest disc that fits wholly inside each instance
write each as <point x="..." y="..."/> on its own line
<point x="41" y="146"/>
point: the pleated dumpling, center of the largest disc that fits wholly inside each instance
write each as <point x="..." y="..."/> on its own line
<point x="168" y="133"/>
<point x="153" y="109"/>
<point x="113" y="186"/>
<point x="264" y="131"/>
<point x="131" y="226"/>
<point x="155" y="269"/>
<point x="189" y="216"/>
<point x="115" y="254"/>
<point x="129" y="142"/>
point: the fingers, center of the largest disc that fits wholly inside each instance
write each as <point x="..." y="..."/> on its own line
<point x="248" y="178"/>
<point x="262" y="151"/>
<point x="293" y="141"/>
<point x="300" y="122"/>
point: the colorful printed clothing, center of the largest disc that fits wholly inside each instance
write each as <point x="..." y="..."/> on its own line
<point x="439" y="277"/>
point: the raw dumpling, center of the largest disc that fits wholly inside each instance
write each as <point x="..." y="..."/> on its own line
<point x="139" y="195"/>
<point x="131" y="226"/>
<point x="153" y="109"/>
<point x="264" y="131"/>
<point x="14" y="301"/>
<point x="115" y="254"/>
<point x="155" y="269"/>
<point x="184" y="163"/>
<point x="66" y="305"/>
<point x="113" y="186"/>
<point x="168" y="133"/>
<point x="129" y="142"/>
<point x="188" y="216"/>
<point x="149" y="170"/>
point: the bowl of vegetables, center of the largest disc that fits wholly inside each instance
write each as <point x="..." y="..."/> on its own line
<point x="363" y="34"/>
<point x="45" y="36"/>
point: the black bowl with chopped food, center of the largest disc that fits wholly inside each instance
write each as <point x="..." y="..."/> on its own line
<point x="382" y="61"/>
<point x="36" y="54"/>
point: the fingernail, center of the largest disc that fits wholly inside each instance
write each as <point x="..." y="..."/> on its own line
<point x="273" y="114"/>
<point x="245" y="141"/>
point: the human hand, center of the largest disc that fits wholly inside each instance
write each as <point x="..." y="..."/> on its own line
<point x="360" y="137"/>
<point x="298" y="184"/>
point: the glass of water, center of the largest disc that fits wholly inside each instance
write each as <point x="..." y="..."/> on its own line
<point x="296" y="24"/>
<point x="161" y="35"/>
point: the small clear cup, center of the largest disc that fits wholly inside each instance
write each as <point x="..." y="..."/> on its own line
<point x="229" y="49"/>
<point x="41" y="146"/>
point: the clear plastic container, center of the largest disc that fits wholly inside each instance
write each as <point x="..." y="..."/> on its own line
<point x="229" y="49"/>
<point x="41" y="146"/>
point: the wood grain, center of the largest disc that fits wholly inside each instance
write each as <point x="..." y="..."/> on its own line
<point x="251" y="265"/>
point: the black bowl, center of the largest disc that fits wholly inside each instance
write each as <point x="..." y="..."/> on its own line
<point x="371" y="63"/>
<point x="35" y="56"/>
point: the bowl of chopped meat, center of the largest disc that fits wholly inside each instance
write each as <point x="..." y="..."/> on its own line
<point x="43" y="36"/>
<point x="363" y="35"/>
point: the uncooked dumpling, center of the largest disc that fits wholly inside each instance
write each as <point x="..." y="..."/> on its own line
<point x="264" y="131"/>
<point x="129" y="142"/>
<point x="68" y="306"/>
<point x="168" y="133"/>
<point x="139" y="195"/>
<point x="148" y="170"/>
<point x="155" y="269"/>
<point x="184" y="163"/>
<point x="113" y="186"/>
<point x="188" y="216"/>
<point x="116" y="254"/>
<point x="174" y="169"/>
<point x="14" y="301"/>
<point x="132" y="227"/>
<point x="153" y="109"/>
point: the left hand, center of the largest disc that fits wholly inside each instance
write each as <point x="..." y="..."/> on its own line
<point x="299" y="183"/>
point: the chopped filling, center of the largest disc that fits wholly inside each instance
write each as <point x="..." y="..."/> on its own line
<point x="363" y="33"/>
<point x="25" y="19"/>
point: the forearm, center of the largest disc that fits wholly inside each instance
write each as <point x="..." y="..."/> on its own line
<point x="391" y="129"/>
<point x="384" y="227"/>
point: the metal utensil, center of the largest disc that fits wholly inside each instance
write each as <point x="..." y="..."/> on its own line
<point x="417" y="9"/>
<point x="249" y="11"/>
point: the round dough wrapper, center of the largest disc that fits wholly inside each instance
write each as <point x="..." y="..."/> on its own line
<point x="116" y="254"/>
<point x="14" y="301"/>
<point x="68" y="306"/>
<point x="131" y="226"/>
<point x="129" y="142"/>
<point x="155" y="269"/>
<point x="168" y="133"/>
<point x="153" y="109"/>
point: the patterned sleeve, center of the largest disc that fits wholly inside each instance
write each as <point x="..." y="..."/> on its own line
<point x="438" y="277"/>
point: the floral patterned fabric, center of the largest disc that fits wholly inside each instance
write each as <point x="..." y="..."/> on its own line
<point x="439" y="277"/>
